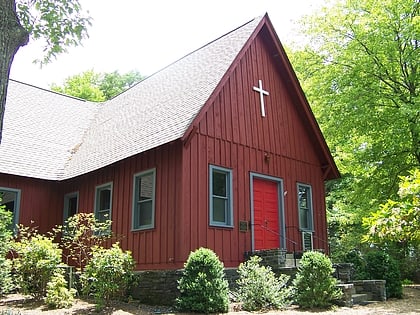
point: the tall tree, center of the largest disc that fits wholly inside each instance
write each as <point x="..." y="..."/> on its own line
<point x="60" y="23"/>
<point x="359" y="69"/>
<point x="98" y="87"/>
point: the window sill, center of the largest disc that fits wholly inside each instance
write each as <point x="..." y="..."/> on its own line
<point x="224" y="226"/>
<point x="141" y="229"/>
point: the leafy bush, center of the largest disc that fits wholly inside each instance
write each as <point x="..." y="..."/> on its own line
<point x="6" y="283"/>
<point x="80" y="234"/>
<point x="260" y="289"/>
<point x="356" y="258"/>
<point x="379" y="265"/>
<point x="37" y="261"/>
<point x="58" y="295"/>
<point x="108" y="274"/>
<point x="203" y="287"/>
<point x="314" y="284"/>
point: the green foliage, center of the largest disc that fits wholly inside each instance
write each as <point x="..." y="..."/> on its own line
<point x="37" y="261"/>
<point x="314" y="284"/>
<point x="114" y="83"/>
<point x="84" y="86"/>
<point x="61" y="23"/>
<point x="6" y="283"/>
<point x="356" y="258"/>
<point x="58" y="295"/>
<point x="359" y="70"/>
<point x="379" y="265"/>
<point x="98" y="87"/>
<point x="81" y="233"/>
<point x="260" y="289"/>
<point x="108" y="274"/>
<point x="407" y="282"/>
<point x="203" y="287"/>
<point x="398" y="221"/>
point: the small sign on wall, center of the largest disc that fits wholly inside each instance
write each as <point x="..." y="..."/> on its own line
<point x="243" y="226"/>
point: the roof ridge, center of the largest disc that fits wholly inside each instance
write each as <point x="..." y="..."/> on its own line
<point x="51" y="91"/>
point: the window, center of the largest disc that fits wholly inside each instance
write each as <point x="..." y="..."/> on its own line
<point x="221" y="201"/>
<point x="103" y="202"/>
<point x="144" y="200"/>
<point x="71" y="205"/>
<point x="10" y="198"/>
<point x="305" y="207"/>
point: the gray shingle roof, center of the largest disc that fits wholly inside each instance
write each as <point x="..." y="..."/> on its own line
<point x="41" y="128"/>
<point x="50" y="136"/>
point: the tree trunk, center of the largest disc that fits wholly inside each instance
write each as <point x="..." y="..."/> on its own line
<point x="12" y="37"/>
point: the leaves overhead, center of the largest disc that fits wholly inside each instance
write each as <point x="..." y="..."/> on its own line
<point x="359" y="69"/>
<point x="60" y="23"/>
<point x="398" y="220"/>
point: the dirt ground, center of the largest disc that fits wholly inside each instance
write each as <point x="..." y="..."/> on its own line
<point x="410" y="304"/>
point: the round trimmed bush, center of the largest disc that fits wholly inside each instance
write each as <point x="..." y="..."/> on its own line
<point x="203" y="287"/>
<point x="314" y="284"/>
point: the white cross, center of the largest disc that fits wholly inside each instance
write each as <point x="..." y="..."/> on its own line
<point x="262" y="93"/>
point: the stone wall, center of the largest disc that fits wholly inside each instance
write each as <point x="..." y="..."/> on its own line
<point x="376" y="288"/>
<point x="344" y="272"/>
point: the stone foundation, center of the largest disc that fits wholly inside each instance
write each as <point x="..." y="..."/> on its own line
<point x="157" y="287"/>
<point x="160" y="287"/>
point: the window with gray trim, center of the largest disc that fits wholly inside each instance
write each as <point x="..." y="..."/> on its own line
<point x="144" y="200"/>
<point x="221" y="197"/>
<point x="10" y="199"/>
<point x="103" y="202"/>
<point x="71" y="205"/>
<point x="305" y="207"/>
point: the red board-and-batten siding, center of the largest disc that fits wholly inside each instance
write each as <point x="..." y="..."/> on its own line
<point x="153" y="248"/>
<point x="231" y="133"/>
<point x="39" y="201"/>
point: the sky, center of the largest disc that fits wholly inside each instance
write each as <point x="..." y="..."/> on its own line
<point x="148" y="35"/>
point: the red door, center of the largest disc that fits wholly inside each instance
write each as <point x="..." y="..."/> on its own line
<point x="266" y="214"/>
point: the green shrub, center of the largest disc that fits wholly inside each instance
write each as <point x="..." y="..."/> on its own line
<point x="203" y="287"/>
<point x="58" y="295"/>
<point x="380" y="266"/>
<point x="356" y="258"/>
<point x="6" y="283"/>
<point x="314" y="285"/>
<point x="407" y="282"/>
<point x="108" y="274"/>
<point x="260" y="289"/>
<point x="37" y="261"/>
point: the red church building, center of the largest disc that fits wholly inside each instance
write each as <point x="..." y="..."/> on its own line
<point x="219" y="149"/>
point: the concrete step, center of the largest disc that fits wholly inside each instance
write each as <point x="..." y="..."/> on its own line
<point x="291" y="262"/>
<point x="361" y="298"/>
